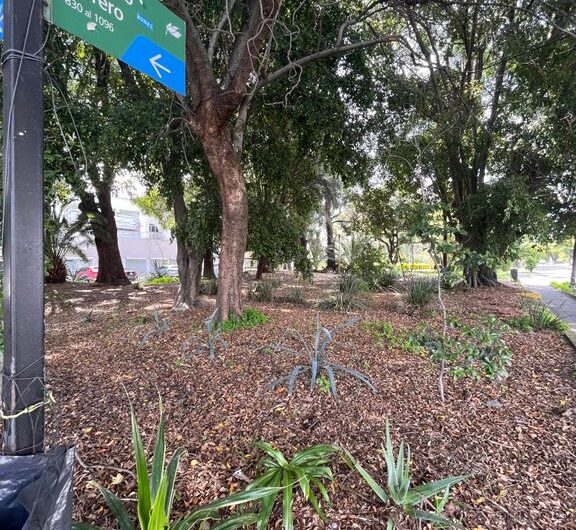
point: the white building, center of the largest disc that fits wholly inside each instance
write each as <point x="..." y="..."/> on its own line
<point x="142" y="240"/>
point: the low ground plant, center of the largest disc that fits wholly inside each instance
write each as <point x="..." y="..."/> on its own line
<point x="317" y="364"/>
<point x="212" y="341"/>
<point x="250" y="319"/>
<point x="350" y="289"/>
<point x="155" y="482"/>
<point x="159" y="326"/>
<point x="296" y="296"/>
<point x="384" y="332"/>
<point x="381" y="280"/>
<point x="308" y="470"/>
<point x="412" y="501"/>
<point x="419" y="291"/>
<point x="541" y="317"/>
<point x="565" y="286"/>
<point x="162" y="280"/>
<point x="263" y="291"/>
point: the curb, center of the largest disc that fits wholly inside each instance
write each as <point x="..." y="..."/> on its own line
<point x="571" y="336"/>
<point x="565" y="292"/>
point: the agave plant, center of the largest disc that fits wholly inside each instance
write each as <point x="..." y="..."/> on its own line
<point x="398" y="488"/>
<point x="307" y="469"/>
<point x="317" y="363"/>
<point x="155" y="493"/>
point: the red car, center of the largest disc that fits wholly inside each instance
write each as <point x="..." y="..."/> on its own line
<point x="87" y="274"/>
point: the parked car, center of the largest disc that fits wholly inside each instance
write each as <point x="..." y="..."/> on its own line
<point x="87" y="274"/>
<point x="131" y="275"/>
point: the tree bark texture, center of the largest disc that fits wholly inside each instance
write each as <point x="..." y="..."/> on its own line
<point x="331" y="264"/>
<point x="189" y="264"/>
<point x="225" y="165"/>
<point x="208" y="265"/>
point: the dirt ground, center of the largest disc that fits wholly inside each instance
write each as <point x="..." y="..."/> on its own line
<point x="520" y="457"/>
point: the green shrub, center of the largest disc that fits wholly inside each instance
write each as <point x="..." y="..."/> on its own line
<point x="521" y="323"/>
<point x="317" y="363"/>
<point x="263" y="292"/>
<point x="420" y="290"/>
<point x="397" y="338"/>
<point x="416" y="266"/>
<point x="399" y="490"/>
<point x="162" y="280"/>
<point x="306" y="470"/>
<point x="450" y="279"/>
<point x="250" y="319"/>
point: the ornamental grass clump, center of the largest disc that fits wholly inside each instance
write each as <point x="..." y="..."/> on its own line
<point x="419" y="291"/>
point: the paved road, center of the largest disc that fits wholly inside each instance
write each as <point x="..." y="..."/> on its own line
<point x="561" y="303"/>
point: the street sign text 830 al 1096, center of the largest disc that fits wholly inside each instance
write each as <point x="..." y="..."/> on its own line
<point x="142" y="33"/>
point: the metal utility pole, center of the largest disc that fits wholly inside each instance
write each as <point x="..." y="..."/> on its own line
<point x="23" y="363"/>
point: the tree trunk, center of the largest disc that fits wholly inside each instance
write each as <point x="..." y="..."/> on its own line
<point x="208" y="268"/>
<point x="573" y="274"/>
<point x="103" y="223"/>
<point x="110" y="267"/>
<point x="331" y="264"/>
<point x="188" y="264"/>
<point x="225" y="165"/>
<point x="263" y="266"/>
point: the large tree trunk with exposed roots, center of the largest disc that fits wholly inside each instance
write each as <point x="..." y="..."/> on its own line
<point x="225" y="165"/>
<point x="189" y="264"/>
<point x="331" y="264"/>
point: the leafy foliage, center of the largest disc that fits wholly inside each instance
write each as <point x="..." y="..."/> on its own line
<point x="480" y="351"/>
<point x="399" y="490"/>
<point x="317" y="363"/>
<point x="162" y="280"/>
<point x="307" y="470"/>
<point x="250" y="319"/>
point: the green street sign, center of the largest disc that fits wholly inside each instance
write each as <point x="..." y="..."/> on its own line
<point x="142" y="33"/>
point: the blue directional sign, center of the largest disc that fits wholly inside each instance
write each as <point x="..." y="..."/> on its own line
<point x="1" y="19"/>
<point x="143" y="33"/>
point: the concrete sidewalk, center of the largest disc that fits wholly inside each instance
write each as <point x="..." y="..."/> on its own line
<point x="561" y="303"/>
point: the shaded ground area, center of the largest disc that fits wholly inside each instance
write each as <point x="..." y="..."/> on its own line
<point x="521" y="456"/>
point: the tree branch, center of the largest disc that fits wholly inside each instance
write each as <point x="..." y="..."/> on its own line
<point x="323" y="54"/>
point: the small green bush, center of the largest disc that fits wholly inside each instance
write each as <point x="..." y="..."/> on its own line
<point x="162" y="280"/>
<point x="250" y="319"/>
<point x="521" y="323"/>
<point x="420" y="290"/>
<point x="350" y="287"/>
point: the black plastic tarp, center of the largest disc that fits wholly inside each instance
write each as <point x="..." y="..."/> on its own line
<point x="36" y="491"/>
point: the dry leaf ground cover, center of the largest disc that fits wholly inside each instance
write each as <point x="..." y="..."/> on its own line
<point x="521" y="456"/>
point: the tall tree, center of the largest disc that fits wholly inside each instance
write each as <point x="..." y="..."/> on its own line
<point x="235" y="51"/>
